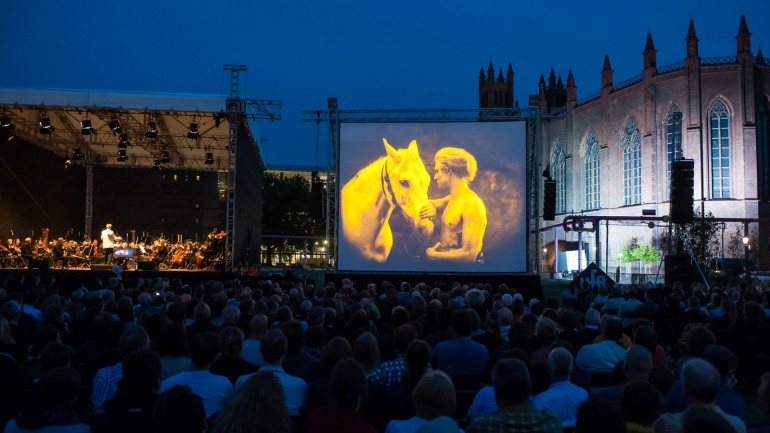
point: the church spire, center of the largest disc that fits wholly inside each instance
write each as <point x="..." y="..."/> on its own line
<point x="650" y="53"/>
<point x="490" y="72"/>
<point x="692" y="40"/>
<point x="607" y="72"/>
<point x="744" y="37"/>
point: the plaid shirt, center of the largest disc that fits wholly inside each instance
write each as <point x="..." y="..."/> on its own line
<point x="105" y="385"/>
<point x="525" y="421"/>
<point x="388" y="373"/>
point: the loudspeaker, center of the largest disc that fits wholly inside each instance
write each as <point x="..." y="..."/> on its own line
<point x="145" y="266"/>
<point x="682" y="173"/>
<point x="41" y="264"/>
<point x="549" y="200"/>
<point x="678" y="269"/>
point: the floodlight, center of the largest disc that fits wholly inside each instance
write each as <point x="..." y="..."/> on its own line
<point x="209" y="159"/>
<point x="77" y="155"/>
<point x="152" y="129"/>
<point x="85" y="127"/>
<point x="122" y="156"/>
<point x="45" y="125"/>
<point x="5" y="121"/>
<point x="114" y="124"/>
<point x="165" y="158"/>
<point x="192" y="132"/>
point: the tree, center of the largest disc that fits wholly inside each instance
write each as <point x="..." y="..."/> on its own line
<point x="701" y="237"/>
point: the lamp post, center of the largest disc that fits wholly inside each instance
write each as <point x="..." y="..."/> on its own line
<point x="746" y="257"/>
<point x="617" y="271"/>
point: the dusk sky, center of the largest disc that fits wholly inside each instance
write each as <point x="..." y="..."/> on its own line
<point x="369" y="54"/>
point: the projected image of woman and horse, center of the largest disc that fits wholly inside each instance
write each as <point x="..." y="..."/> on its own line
<point x="428" y="206"/>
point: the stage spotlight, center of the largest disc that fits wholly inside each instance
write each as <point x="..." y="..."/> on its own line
<point x="45" y="125"/>
<point x="67" y="163"/>
<point x="85" y="127"/>
<point x="192" y="133"/>
<point x="123" y="141"/>
<point x="209" y="159"/>
<point x="5" y="121"/>
<point x="217" y="120"/>
<point x="77" y="155"/>
<point x="114" y="124"/>
<point x="7" y="133"/>
<point x="122" y="156"/>
<point x="165" y="158"/>
<point x="152" y="129"/>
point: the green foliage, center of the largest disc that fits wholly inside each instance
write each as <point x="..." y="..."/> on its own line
<point x="634" y="251"/>
<point x="702" y="237"/>
<point x="286" y="206"/>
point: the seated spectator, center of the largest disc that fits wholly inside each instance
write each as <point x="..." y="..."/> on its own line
<point x="398" y="397"/>
<point x="179" y="410"/>
<point x="512" y="386"/>
<point x="700" y="419"/>
<point x="391" y="371"/>
<point x="318" y="390"/>
<point x="598" y="415"/>
<point x="604" y="355"/>
<point x="258" y="406"/>
<point x="250" y="351"/>
<point x="171" y="345"/>
<point x="105" y="382"/>
<point x="273" y="349"/>
<point x="230" y="363"/>
<point x="367" y="351"/>
<point x="348" y="385"/>
<point x="562" y="397"/>
<point x="49" y="407"/>
<point x="701" y="382"/>
<point x="640" y="401"/>
<point x="434" y="396"/>
<point x="461" y="356"/>
<point x="213" y="389"/>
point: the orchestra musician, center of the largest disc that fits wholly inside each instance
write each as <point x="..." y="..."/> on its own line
<point x="108" y="242"/>
<point x="26" y="250"/>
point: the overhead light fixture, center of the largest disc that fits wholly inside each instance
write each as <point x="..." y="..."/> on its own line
<point x="122" y="156"/>
<point x="192" y="132"/>
<point x="156" y="163"/>
<point x="5" y="121"/>
<point x="123" y="141"/>
<point x="165" y="157"/>
<point x="86" y="128"/>
<point x="114" y="124"/>
<point x="209" y="159"/>
<point x="45" y="125"/>
<point x="7" y="133"/>
<point x="152" y="129"/>
<point x="77" y="155"/>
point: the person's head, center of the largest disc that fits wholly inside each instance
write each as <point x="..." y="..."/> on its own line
<point x="640" y="401"/>
<point x="347" y="384"/>
<point x="637" y="363"/>
<point x="697" y="340"/>
<point x="204" y="348"/>
<point x="434" y="395"/>
<point x="133" y="339"/>
<point x="547" y="331"/>
<point x="292" y="329"/>
<point x="613" y="329"/>
<point x="258" y="325"/>
<point x="560" y="363"/>
<point x="454" y="161"/>
<point x="402" y="336"/>
<point x="366" y="350"/>
<point x="58" y="388"/>
<point x="56" y="354"/>
<point x="178" y="410"/>
<point x="599" y="415"/>
<point x="172" y="340"/>
<point x="202" y="311"/>
<point x="462" y="325"/>
<point x="722" y="358"/>
<point x="337" y="348"/>
<point x="109" y="226"/>
<point x="231" y="314"/>
<point x="273" y="346"/>
<point x="257" y="406"/>
<point x="511" y="382"/>
<point x="141" y="373"/>
<point x="700" y="380"/>
<point x="703" y="419"/>
<point x="232" y="342"/>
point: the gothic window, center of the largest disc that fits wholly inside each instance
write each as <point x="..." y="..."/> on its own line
<point x="632" y="164"/>
<point x="763" y="150"/>
<point x="720" y="151"/>
<point x="592" y="172"/>
<point x="673" y="142"/>
<point x="559" y="175"/>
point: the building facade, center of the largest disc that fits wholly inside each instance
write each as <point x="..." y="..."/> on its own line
<point x="611" y="152"/>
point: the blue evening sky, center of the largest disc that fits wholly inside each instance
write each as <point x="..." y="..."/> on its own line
<point x="369" y="54"/>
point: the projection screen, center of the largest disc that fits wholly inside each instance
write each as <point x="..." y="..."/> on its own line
<point x="432" y="197"/>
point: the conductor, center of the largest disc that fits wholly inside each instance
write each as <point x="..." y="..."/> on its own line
<point x="108" y="242"/>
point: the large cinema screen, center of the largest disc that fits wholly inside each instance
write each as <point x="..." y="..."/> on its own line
<point x="432" y="197"/>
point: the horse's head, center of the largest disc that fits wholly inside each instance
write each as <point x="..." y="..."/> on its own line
<point x="408" y="181"/>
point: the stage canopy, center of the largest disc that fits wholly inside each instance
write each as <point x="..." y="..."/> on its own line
<point x="179" y="131"/>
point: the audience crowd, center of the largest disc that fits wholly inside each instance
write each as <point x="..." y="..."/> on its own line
<point x="163" y="355"/>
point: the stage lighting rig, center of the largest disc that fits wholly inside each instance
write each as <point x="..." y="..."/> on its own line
<point x="86" y="128"/>
<point x="152" y="129"/>
<point x="122" y="156"/>
<point x="114" y="124"/>
<point x="192" y="132"/>
<point x="209" y="157"/>
<point x="45" y="125"/>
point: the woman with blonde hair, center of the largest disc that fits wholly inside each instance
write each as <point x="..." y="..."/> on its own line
<point x="366" y="350"/>
<point x="256" y="407"/>
<point x="433" y="397"/>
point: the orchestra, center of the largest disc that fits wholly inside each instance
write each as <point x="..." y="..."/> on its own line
<point x="67" y="253"/>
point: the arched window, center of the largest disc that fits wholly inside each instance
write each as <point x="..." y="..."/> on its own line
<point x="632" y="164"/>
<point x="673" y="142"/>
<point x="720" y="151"/>
<point x="558" y="167"/>
<point x="592" y="172"/>
<point x="763" y="150"/>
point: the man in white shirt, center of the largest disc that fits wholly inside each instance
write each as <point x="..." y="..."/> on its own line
<point x="108" y="242"/>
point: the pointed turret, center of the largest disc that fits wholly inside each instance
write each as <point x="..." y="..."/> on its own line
<point x="650" y="53"/>
<point x="607" y="72"/>
<point x="744" y="37"/>
<point x="490" y="72"/>
<point x="481" y="77"/>
<point x="542" y="103"/>
<point x="692" y="40"/>
<point x="571" y="88"/>
<point x="559" y="83"/>
<point x="551" y="80"/>
<point x="509" y="74"/>
<point x="500" y="78"/>
<point x="760" y="58"/>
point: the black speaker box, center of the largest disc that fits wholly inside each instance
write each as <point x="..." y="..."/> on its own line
<point x="41" y="264"/>
<point x="101" y="266"/>
<point x="145" y="266"/>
